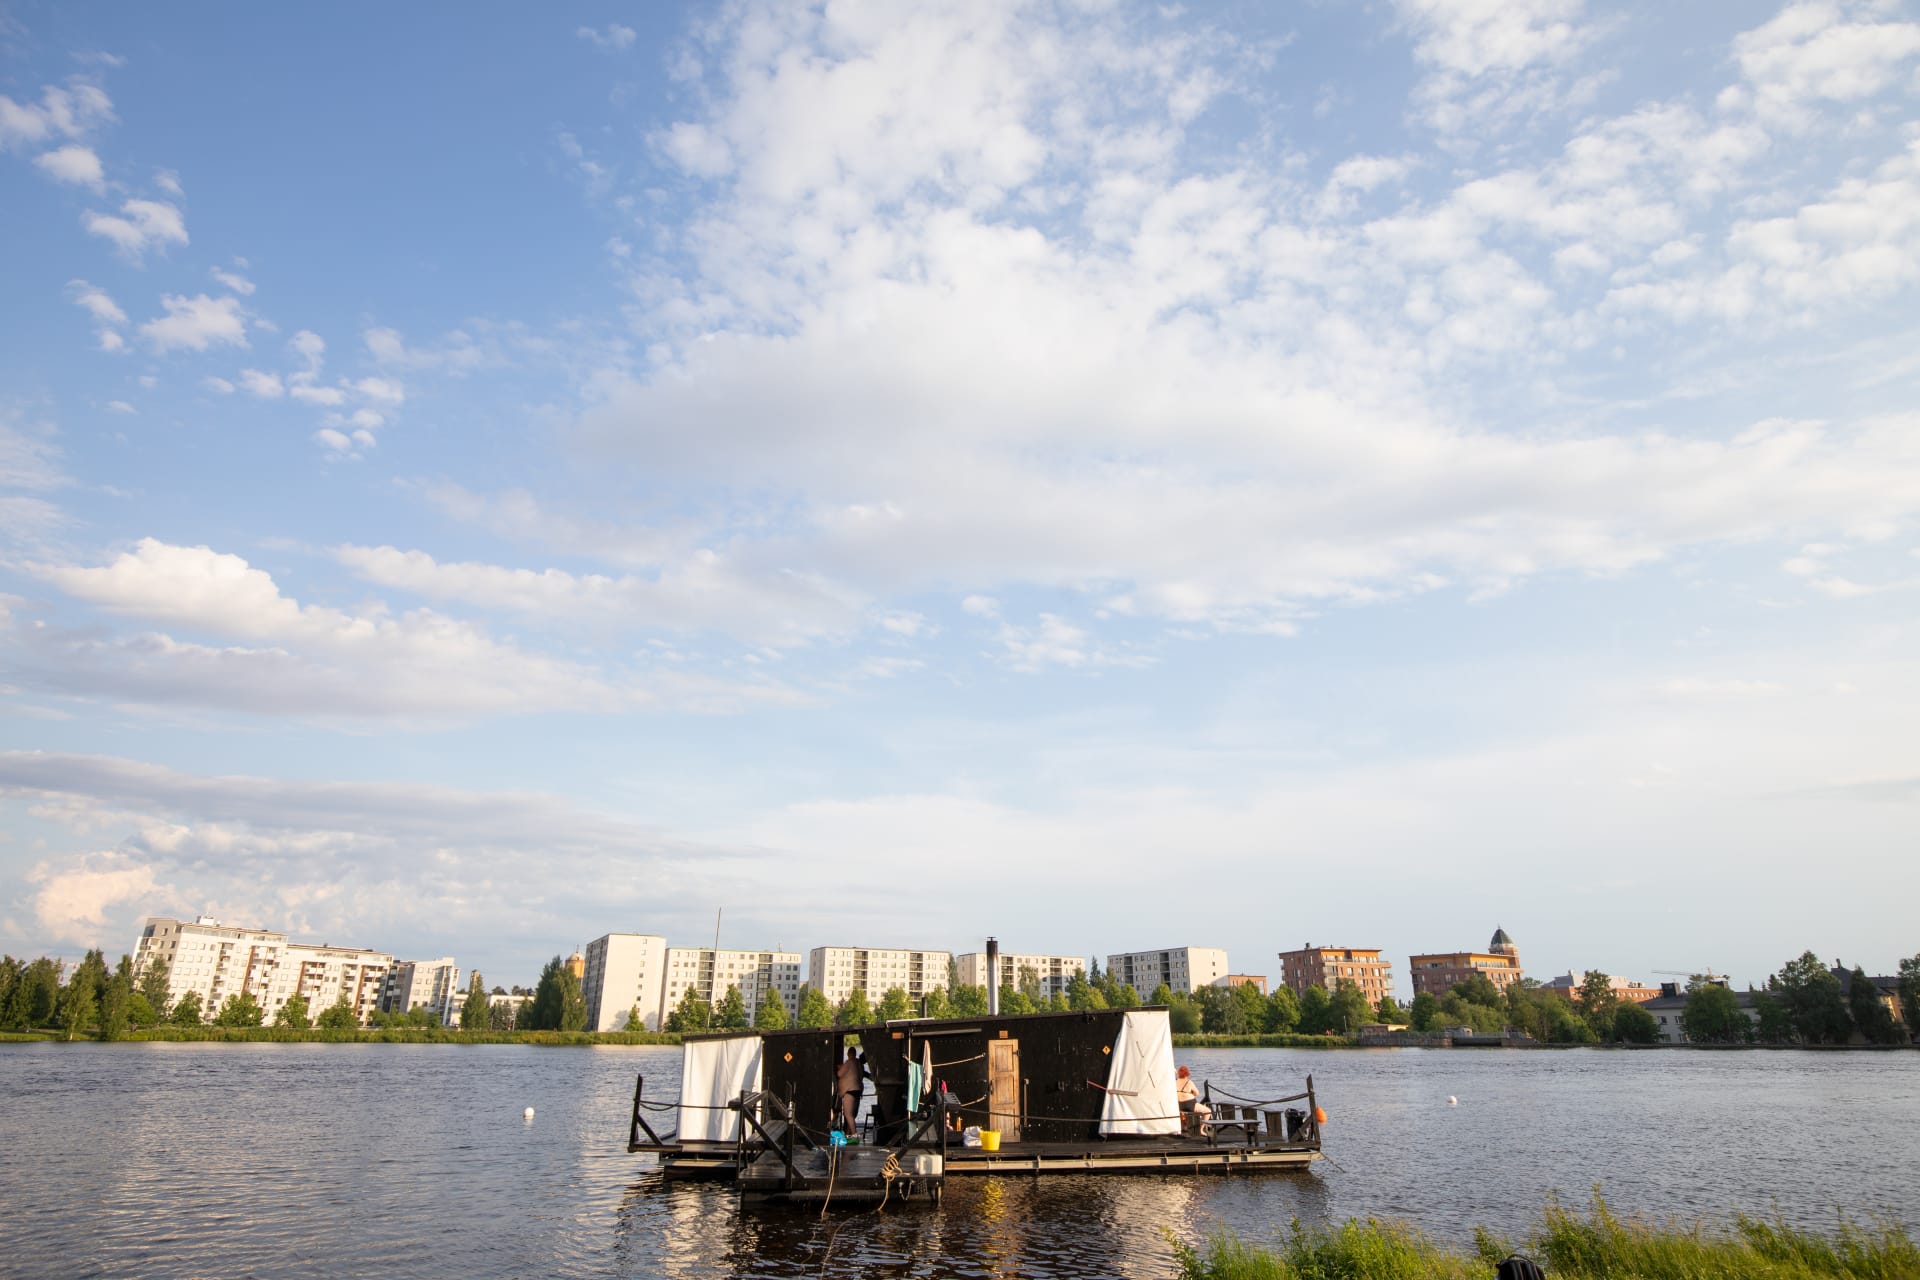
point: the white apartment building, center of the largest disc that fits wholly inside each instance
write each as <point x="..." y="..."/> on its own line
<point x="218" y="961"/>
<point x="434" y="984"/>
<point x="710" y="972"/>
<point x="837" y="972"/>
<point x="624" y="971"/>
<point x="1181" y="968"/>
<point x="1055" y="971"/>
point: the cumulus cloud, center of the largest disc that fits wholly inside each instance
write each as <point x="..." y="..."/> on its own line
<point x="73" y="164"/>
<point x="235" y="281"/>
<point x="141" y="225"/>
<point x="266" y="386"/>
<point x="1824" y="51"/>
<point x="106" y="313"/>
<point x="612" y="36"/>
<point x="196" y="323"/>
<point x="69" y="111"/>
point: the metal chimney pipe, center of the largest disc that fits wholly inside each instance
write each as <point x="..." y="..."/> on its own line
<point x="993" y="978"/>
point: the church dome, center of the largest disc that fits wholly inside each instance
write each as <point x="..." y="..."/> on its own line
<point x="1502" y="944"/>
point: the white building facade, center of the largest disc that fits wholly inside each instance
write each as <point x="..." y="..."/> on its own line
<point x="837" y="972"/>
<point x="624" y="972"/>
<point x="433" y="984"/>
<point x="1055" y="972"/>
<point x="710" y="972"/>
<point x="1183" y="969"/>
<point x="218" y="961"/>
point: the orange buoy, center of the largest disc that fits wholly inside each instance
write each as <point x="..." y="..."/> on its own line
<point x="1319" y="1115"/>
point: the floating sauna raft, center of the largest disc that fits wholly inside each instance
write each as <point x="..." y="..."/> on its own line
<point x="1084" y="1092"/>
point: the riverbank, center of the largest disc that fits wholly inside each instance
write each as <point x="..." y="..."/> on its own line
<point x="1595" y="1245"/>
<point x="358" y="1035"/>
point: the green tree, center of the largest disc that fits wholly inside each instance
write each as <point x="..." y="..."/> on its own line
<point x="732" y="1013"/>
<point x="1869" y="1010"/>
<point x="893" y="1005"/>
<point x="1082" y="993"/>
<point x="1121" y="995"/>
<point x="1057" y="1002"/>
<point x="937" y="1005"/>
<point x="1424" y="1013"/>
<point x="692" y="1014"/>
<point x="1390" y="1012"/>
<point x="240" y="1010"/>
<point x="1283" y="1011"/>
<point x="1013" y="1000"/>
<point x="1316" y="1011"/>
<point x="500" y="1016"/>
<point x="635" y="1021"/>
<point x="10" y="973"/>
<point x="968" y="1001"/>
<point x="474" y="1010"/>
<point x="1813" y="1001"/>
<point x="814" y="1010"/>
<point x="116" y="1001"/>
<point x="1184" y="1015"/>
<point x="549" y="999"/>
<point x="854" y="1011"/>
<point x="573" y="1003"/>
<point x="186" y="1010"/>
<point x="139" y="1012"/>
<point x="1479" y="989"/>
<point x="153" y="985"/>
<point x="1029" y="984"/>
<point x="772" y="1013"/>
<point x="1634" y="1025"/>
<point x="40" y="987"/>
<point x="338" y="1017"/>
<point x="1350" y="1007"/>
<point x="1162" y="995"/>
<point x="1713" y="1016"/>
<point x="80" y="998"/>
<point x="1253" y="1005"/>
<point x="1598" y="1002"/>
<point x="1910" y="993"/>
<point x="294" y="1013"/>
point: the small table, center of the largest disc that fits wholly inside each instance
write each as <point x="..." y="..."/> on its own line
<point x="1247" y="1128"/>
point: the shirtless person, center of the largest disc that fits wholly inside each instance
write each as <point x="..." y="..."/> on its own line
<point x="848" y="1086"/>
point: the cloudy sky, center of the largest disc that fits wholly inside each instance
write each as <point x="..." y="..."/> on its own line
<point x="1112" y="476"/>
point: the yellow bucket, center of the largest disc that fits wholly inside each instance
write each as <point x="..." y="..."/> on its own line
<point x="989" y="1139"/>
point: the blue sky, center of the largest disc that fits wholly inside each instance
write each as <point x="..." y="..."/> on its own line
<point x="1109" y="476"/>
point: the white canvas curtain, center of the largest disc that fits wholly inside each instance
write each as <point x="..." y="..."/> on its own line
<point x="712" y="1074"/>
<point x="1140" y="1094"/>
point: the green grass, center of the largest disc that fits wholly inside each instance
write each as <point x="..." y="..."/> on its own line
<point x="1263" y="1040"/>
<point x="1595" y="1245"/>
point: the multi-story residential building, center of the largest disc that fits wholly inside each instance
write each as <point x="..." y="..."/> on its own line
<point x="1258" y="981"/>
<point x="621" y="972"/>
<point x="431" y="984"/>
<point x="217" y="961"/>
<point x="1054" y="972"/>
<point x="1670" y="1005"/>
<point x="1568" y="985"/>
<point x="710" y="972"/>
<point x="1327" y="967"/>
<point x="837" y="972"/>
<point x="1436" y="973"/>
<point x="1183" y="969"/>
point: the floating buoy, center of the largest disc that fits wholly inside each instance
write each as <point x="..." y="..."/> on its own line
<point x="1319" y="1115"/>
<point x="527" y="1114"/>
<point x="1452" y="1101"/>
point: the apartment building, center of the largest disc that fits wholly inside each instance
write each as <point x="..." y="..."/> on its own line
<point x="1055" y="972"/>
<point x="1327" y="967"/>
<point x="620" y="972"/>
<point x="837" y="972"/>
<point x="1436" y="973"/>
<point x="1258" y="981"/>
<point x="1569" y="984"/>
<point x="709" y="972"/>
<point x="1183" y="969"/>
<point x="217" y="961"/>
<point x="430" y="984"/>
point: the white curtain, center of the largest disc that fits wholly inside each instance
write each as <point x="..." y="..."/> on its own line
<point x="1140" y="1094"/>
<point x="712" y="1074"/>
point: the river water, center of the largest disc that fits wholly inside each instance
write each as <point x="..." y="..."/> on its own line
<point x="227" y="1160"/>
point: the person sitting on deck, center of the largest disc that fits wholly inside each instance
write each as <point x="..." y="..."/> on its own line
<point x="1189" y="1098"/>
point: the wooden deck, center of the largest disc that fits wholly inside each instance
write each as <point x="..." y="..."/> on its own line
<point x="856" y="1175"/>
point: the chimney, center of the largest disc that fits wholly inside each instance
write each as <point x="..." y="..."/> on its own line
<point x="993" y="977"/>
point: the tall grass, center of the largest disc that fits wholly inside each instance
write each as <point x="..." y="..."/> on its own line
<point x="1261" y="1040"/>
<point x="1595" y="1245"/>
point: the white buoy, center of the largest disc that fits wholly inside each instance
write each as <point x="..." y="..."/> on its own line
<point x="1451" y="1101"/>
<point x="528" y="1113"/>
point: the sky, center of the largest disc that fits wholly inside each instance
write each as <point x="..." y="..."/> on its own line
<point x="1107" y="476"/>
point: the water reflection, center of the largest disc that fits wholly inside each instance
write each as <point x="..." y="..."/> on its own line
<point x="318" y="1160"/>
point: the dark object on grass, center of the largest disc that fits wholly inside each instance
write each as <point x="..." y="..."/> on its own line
<point x="1516" y="1267"/>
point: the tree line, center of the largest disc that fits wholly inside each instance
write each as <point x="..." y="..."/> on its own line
<point x="42" y="994"/>
<point x="1804" y="1002"/>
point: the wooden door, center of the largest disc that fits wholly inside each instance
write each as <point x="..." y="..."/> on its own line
<point x="1003" y="1088"/>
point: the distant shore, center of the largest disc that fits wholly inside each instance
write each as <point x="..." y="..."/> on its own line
<point x="357" y="1035"/>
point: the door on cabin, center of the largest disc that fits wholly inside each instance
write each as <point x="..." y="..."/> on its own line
<point x="1003" y="1088"/>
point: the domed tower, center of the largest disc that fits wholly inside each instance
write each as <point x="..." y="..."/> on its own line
<point x="577" y="965"/>
<point x="1502" y="945"/>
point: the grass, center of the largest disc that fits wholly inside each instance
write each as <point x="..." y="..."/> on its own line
<point x="1592" y="1245"/>
<point x="1263" y="1040"/>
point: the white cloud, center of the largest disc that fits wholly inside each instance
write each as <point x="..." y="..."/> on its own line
<point x="612" y="36"/>
<point x="1492" y="63"/>
<point x="69" y="112"/>
<point x="73" y="164"/>
<point x="145" y="224"/>
<point x="1823" y="51"/>
<point x="97" y="303"/>
<point x="312" y="394"/>
<point x="981" y="606"/>
<point x="168" y="181"/>
<point x="73" y="896"/>
<point x="338" y="441"/>
<point x="309" y="347"/>
<point x="456" y="353"/>
<point x="219" y="386"/>
<point x="234" y="281"/>
<point x="121" y="406"/>
<point x="267" y="386"/>
<point x="28" y="458"/>
<point x="196" y="323"/>
<point x="381" y="390"/>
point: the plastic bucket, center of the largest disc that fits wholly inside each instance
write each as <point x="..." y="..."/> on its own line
<point x="989" y="1139"/>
